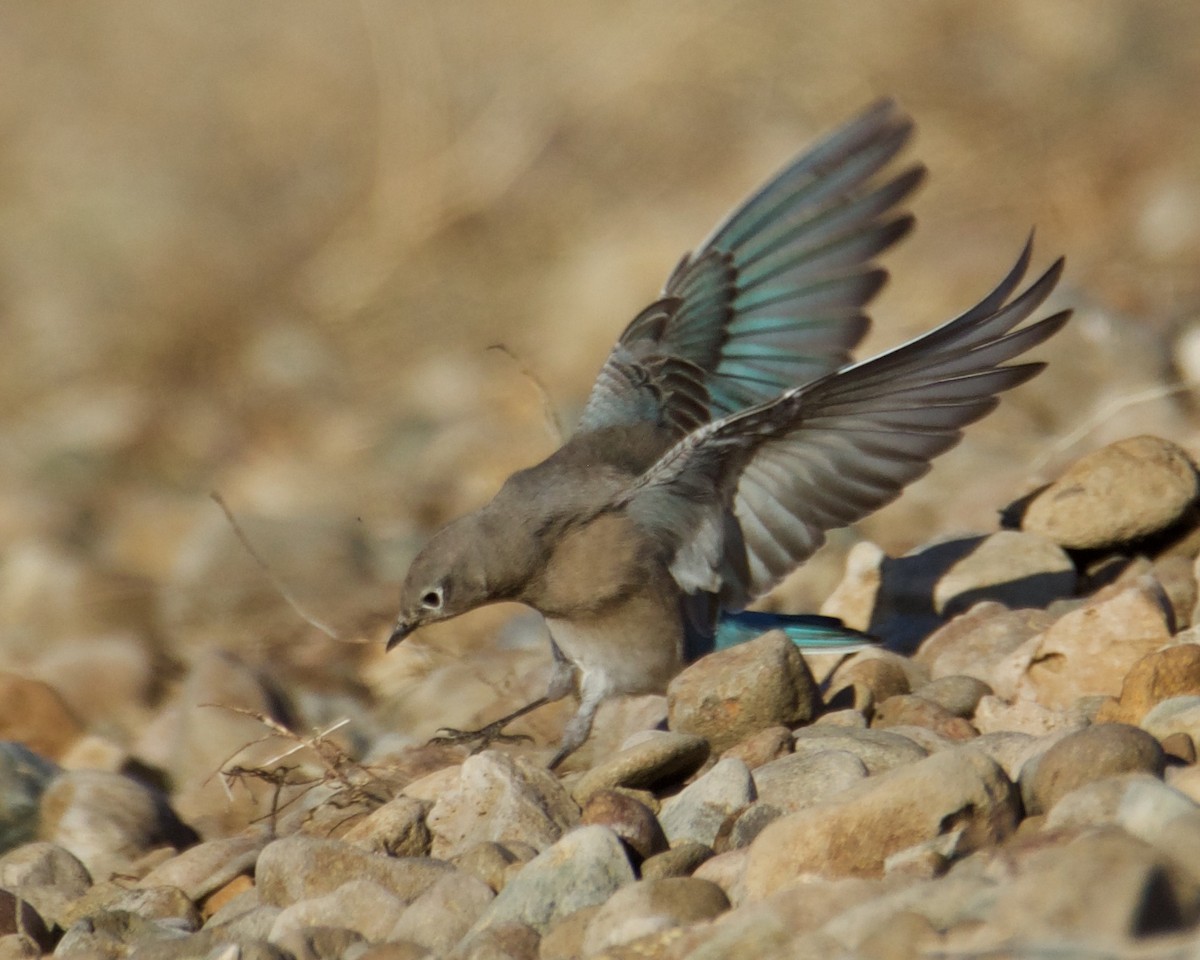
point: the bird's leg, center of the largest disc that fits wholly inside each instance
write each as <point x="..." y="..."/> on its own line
<point x="577" y="730"/>
<point x="592" y="691"/>
<point x="561" y="683"/>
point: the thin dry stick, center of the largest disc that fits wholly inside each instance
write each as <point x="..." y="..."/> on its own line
<point x="553" y="425"/>
<point x="275" y="581"/>
<point x="1105" y="413"/>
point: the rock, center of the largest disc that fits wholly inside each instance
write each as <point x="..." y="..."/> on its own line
<point x="35" y="714"/>
<point x="211" y="723"/>
<point x="853" y="834"/>
<point x="564" y="940"/>
<point x="585" y="868"/>
<point x="955" y="693"/>
<point x="912" y="710"/>
<point x="727" y="870"/>
<point x="1173" y="715"/>
<point x="47" y="876"/>
<point x="18" y="917"/>
<point x="501" y="799"/>
<point x="1115" y="495"/>
<point x="319" y="942"/>
<point x="750" y="823"/>
<point x="206" y="867"/>
<point x="974" y="642"/>
<point x="1090" y="651"/>
<point x="700" y="810"/>
<point x="150" y="903"/>
<point x="679" y="861"/>
<point x="629" y="819"/>
<point x="112" y="933"/>
<point x="1010" y="749"/>
<point x="109" y="821"/>
<point x="397" y="829"/>
<point x="1097" y="802"/>
<point x="488" y="861"/>
<point x="1133" y="892"/>
<point x="801" y="780"/>
<point x="878" y="750"/>
<point x="432" y="785"/>
<point x="1170" y="822"/>
<point x="359" y="905"/>
<point x="226" y="894"/>
<point x="762" y="747"/>
<point x="302" y="868"/>
<point x="1170" y="672"/>
<point x="24" y="776"/>
<point x="994" y="715"/>
<point x="853" y="600"/>
<point x="650" y="906"/>
<point x="1176" y="574"/>
<point x="1179" y="746"/>
<point x="864" y="681"/>
<point x="652" y="759"/>
<point x="443" y="914"/>
<point x="733" y="693"/>
<point x="508" y="940"/>
<point x="1019" y="570"/>
<point x="1086" y="755"/>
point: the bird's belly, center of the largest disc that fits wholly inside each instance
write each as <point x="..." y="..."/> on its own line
<point x="636" y="649"/>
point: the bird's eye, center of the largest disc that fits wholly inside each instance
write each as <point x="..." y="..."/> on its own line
<point x="432" y="599"/>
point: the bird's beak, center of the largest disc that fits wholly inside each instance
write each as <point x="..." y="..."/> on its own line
<point x="401" y="630"/>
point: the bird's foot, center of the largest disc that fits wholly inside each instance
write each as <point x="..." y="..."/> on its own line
<point x="485" y="736"/>
<point x="479" y="739"/>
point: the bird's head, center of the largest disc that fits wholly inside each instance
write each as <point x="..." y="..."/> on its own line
<point x="447" y="578"/>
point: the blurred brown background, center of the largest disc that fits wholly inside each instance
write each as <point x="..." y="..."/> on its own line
<point x="263" y="249"/>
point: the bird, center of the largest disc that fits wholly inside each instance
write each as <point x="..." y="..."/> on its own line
<point x="727" y="431"/>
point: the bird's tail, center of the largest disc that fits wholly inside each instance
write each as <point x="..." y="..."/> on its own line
<point x="807" y="631"/>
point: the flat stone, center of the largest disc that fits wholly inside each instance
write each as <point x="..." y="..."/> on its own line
<point x="879" y="750"/>
<point x="359" y="905"/>
<point x="854" y="833"/>
<point x="649" y="907"/>
<point x="208" y="866"/>
<point x="680" y="860"/>
<point x="656" y="758"/>
<point x="799" y="781"/>
<point x="584" y="868"/>
<point x="302" y="868"/>
<point x="443" y="914"/>
<point x="699" y="811"/>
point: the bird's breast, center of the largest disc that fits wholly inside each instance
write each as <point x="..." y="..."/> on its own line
<point x="594" y="566"/>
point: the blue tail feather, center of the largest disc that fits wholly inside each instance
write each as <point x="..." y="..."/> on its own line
<point x="807" y="631"/>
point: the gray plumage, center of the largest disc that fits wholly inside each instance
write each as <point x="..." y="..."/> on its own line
<point x="729" y="430"/>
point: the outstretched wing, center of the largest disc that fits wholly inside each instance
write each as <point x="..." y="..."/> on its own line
<point x="774" y="297"/>
<point x="742" y="501"/>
